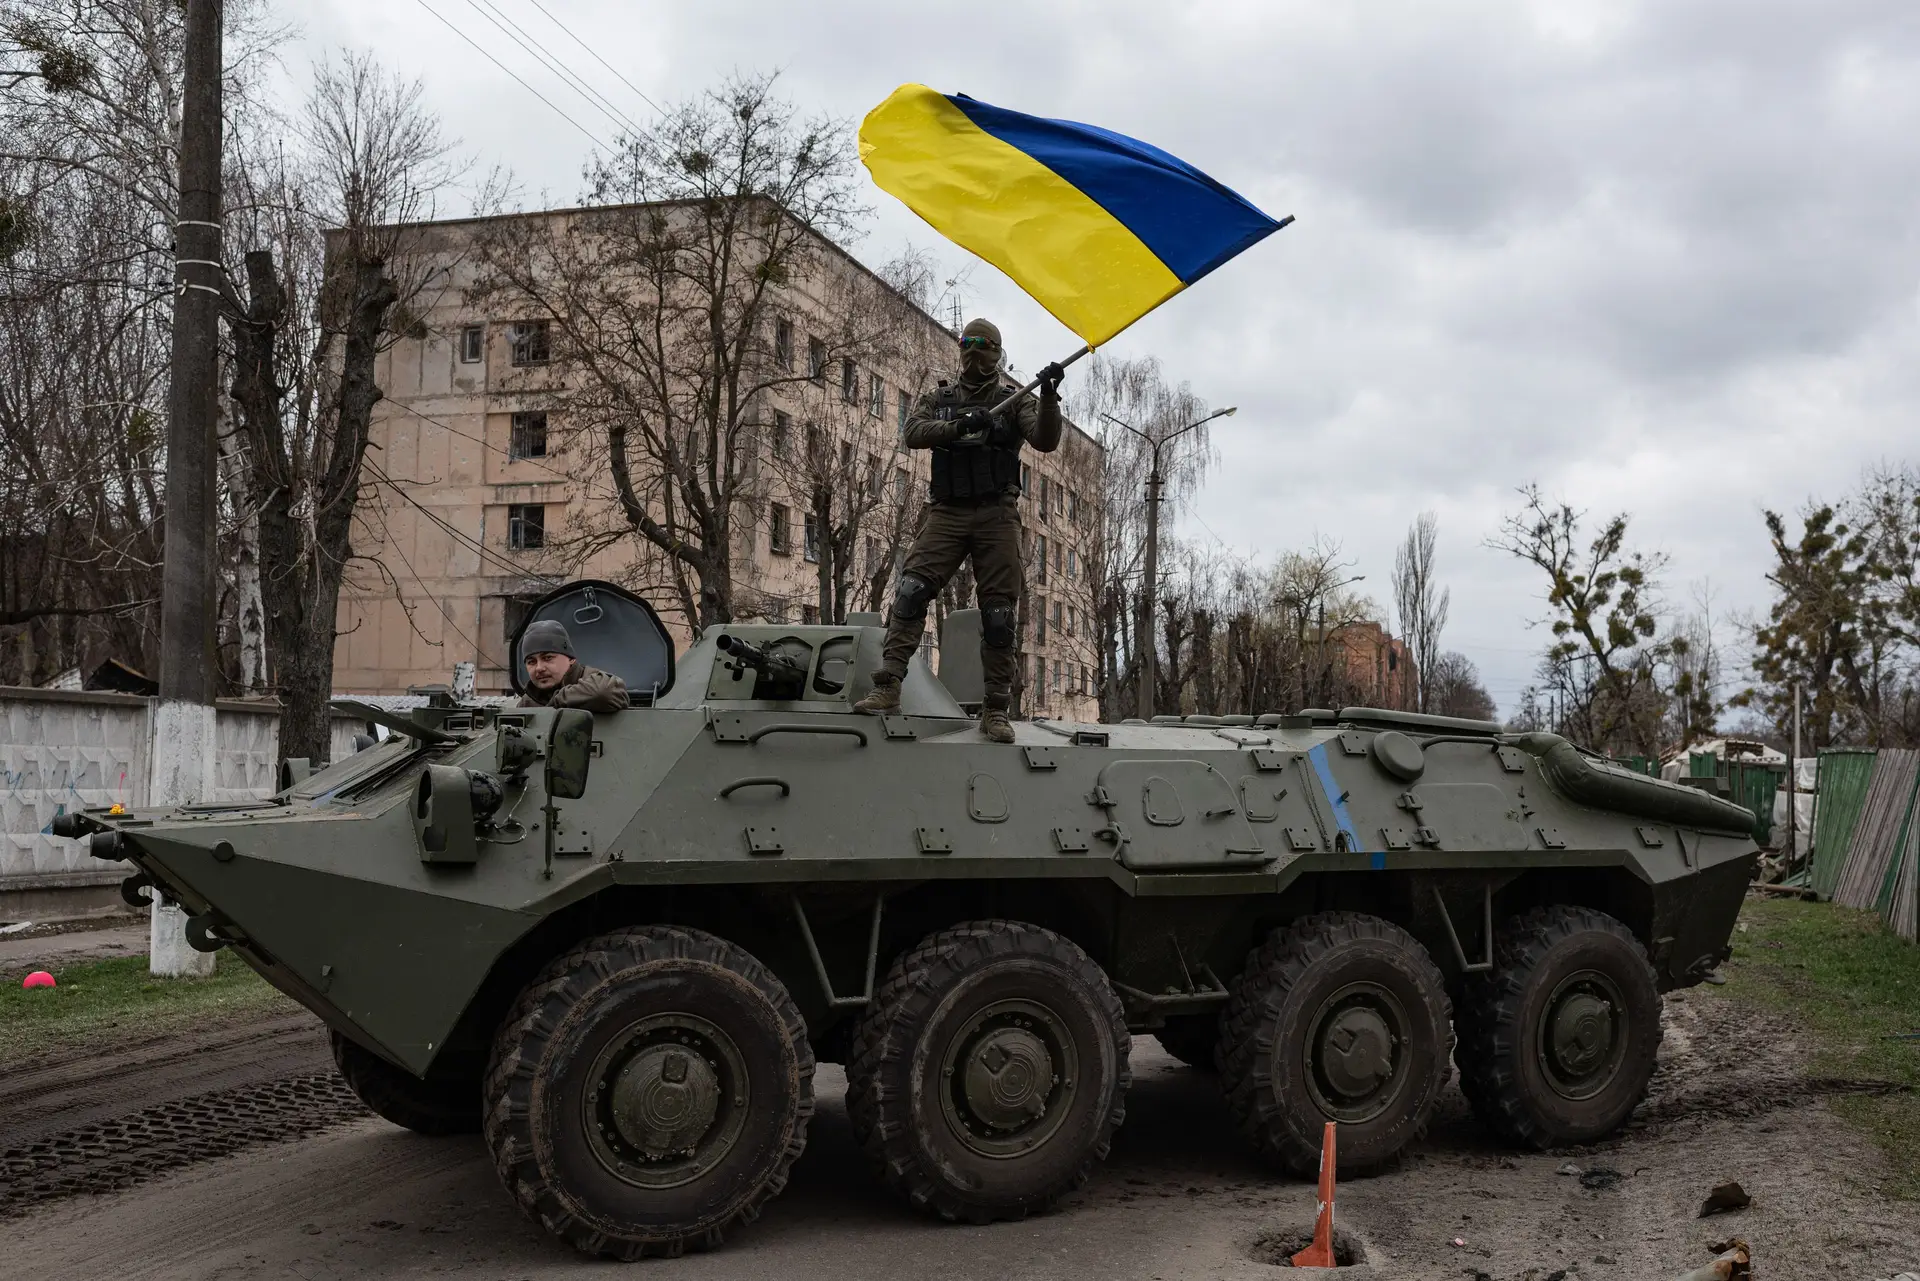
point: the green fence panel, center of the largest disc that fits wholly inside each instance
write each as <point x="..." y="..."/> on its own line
<point x="1840" y="794"/>
<point x="1883" y="901"/>
<point x="1702" y="765"/>
<point x="1753" y="786"/>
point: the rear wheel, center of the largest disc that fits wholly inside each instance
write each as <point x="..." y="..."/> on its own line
<point x="1337" y="1017"/>
<point x="1557" y="1044"/>
<point x="425" y="1107"/>
<point x="990" y="1072"/>
<point x="1191" y="1038"/>
<point x="649" y="1092"/>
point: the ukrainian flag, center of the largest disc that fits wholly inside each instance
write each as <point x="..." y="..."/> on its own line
<point x="1098" y="227"/>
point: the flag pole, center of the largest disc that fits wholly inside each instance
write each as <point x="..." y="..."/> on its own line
<point x="1084" y="351"/>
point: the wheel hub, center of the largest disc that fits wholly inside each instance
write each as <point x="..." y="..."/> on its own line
<point x="666" y="1100"/>
<point x="1582" y="1035"/>
<point x="1355" y="1051"/>
<point x="1008" y="1077"/>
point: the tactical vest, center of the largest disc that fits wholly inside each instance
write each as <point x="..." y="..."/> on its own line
<point x="971" y="473"/>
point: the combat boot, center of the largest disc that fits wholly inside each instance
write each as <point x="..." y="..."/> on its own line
<point x="883" y="698"/>
<point x="995" y="726"/>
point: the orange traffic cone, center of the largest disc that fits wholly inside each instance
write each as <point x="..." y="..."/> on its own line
<point x="1320" y="1253"/>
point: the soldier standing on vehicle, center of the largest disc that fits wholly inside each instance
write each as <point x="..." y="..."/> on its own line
<point x="972" y="513"/>
<point x="557" y="678"/>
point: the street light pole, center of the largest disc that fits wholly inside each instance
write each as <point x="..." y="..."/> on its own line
<point x="1150" y="572"/>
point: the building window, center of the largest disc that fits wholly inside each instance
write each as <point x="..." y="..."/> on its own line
<point x="779" y="529"/>
<point x="1046" y="498"/>
<point x="809" y="615"/>
<point x="1073" y="505"/>
<point x="1040" y="561"/>
<point x="905" y="410"/>
<point x="471" y="339"/>
<point x="816" y="360"/>
<point x="1056" y="557"/>
<point x="1056" y="678"/>
<point x="811" y="550"/>
<point x="876" y="396"/>
<point x="783" y="343"/>
<point x="526" y="527"/>
<point x="900" y="484"/>
<point x="816" y="445"/>
<point x="1039" y="675"/>
<point x="782" y="434"/>
<point x="528" y="438"/>
<point x="849" y="383"/>
<point x="1056" y="618"/>
<point x="1040" y="620"/>
<point x="1073" y="565"/>
<point x="529" y="342"/>
<point x="1026" y="479"/>
<point x="873" y="556"/>
<point x="1069" y="620"/>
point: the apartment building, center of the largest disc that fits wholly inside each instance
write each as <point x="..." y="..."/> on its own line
<point x="479" y="497"/>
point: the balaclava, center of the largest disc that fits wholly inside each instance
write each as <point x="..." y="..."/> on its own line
<point x="980" y="365"/>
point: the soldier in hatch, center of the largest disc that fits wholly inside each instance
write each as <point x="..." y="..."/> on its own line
<point x="973" y="512"/>
<point x="557" y="678"/>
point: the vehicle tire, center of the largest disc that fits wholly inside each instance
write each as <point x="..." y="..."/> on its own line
<point x="1336" y="1017"/>
<point x="990" y="1072"/>
<point x="1191" y="1038"/>
<point x="397" y="1095"/>
<point x="649" y="1092"/>
<point x="1557" y="1043"/>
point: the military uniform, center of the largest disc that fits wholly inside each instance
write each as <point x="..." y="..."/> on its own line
<point x="972" y="513"/>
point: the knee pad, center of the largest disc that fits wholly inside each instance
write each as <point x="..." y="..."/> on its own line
<point x="912" y="596"/>
<point x="999" y="624"/>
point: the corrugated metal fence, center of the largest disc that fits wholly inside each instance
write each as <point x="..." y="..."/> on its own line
<point x="1867" y="836"/>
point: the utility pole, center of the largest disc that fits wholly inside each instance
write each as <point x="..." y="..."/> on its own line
<point x="1793" y="785"/>
<point x="182" y="751"/>
<point x="1150" y="572"/>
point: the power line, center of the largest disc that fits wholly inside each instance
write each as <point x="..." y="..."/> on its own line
<point x="479" y="440"/>
<point x="509" y="70"/>
<point x="546" y="58"/>
<point x="595" y="53"/>
<point x="459" y="537"/>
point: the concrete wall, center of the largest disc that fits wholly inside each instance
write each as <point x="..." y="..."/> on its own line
<point x="62" y="750"/>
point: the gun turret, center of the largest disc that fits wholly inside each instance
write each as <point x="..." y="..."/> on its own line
<point x="773" y="664"/>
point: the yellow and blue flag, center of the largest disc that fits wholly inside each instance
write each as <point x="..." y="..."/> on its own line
<point x="1098" y="227"/>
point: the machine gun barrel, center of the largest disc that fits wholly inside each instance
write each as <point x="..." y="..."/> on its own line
<point x="748" y="654"/>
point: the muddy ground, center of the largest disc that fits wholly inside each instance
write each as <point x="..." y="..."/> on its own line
<point x="233" y="1155"/>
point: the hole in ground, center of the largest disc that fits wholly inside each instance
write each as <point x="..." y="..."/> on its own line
<point x="1278" y="1248"/>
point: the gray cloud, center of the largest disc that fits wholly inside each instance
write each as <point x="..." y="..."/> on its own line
<point x="1659" y="257"/>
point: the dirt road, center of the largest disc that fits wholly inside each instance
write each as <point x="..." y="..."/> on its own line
<point x="1178" y="1198"/>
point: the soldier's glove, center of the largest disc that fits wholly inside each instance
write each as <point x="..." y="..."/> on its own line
<point x="1005" y="431"/>
<point x="974" y="423"/>
<point x="1050" y="379"/>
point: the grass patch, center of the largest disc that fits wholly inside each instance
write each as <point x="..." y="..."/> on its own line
<point x="118" y="1001"/>
<point x="1855" y="985"/>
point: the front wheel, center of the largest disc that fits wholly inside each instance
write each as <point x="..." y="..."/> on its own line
<point x="425" y="1107"/>
<point x="649" y="1092"/>
<point x="1337" y="1017"/>
<point x="990" y="1072"/>
<point x="1557" y="1044"/>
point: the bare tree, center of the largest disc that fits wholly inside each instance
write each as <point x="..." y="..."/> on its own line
<point x="1454" y="688"/>
<point x="660" y="310"/>
<point x="1136" y="392"/>
<point x="1420" y="602"/>
<point x="320" y="305"/>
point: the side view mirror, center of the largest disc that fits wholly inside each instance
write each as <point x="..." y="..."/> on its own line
<point x="569" y="751"/>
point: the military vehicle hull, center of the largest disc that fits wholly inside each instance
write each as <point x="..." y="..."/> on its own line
<point x="627" y="983"/>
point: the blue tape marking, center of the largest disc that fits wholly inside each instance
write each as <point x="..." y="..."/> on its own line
<point x="1377" y="861"/>
<point x="1341" y="819"/>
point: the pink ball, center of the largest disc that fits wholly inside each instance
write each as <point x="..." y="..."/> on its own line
<point x="39" y="978"/>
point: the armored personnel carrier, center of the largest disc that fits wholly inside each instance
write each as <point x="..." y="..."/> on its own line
<point x="618" y="945"/>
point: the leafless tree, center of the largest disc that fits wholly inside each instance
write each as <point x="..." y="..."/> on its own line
<point x="661" y="308"/>
<point x="329" y="284"/>
<point x="1454" y="688"/>
<point x="1420" y="602"/>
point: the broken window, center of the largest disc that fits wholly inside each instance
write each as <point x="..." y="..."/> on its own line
<point x="529" y="341"/>
<point x="528" y="438"/>
<point x="526" y="527"/>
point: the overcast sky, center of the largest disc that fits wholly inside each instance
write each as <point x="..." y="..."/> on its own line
<point x="1657" y="257"/>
